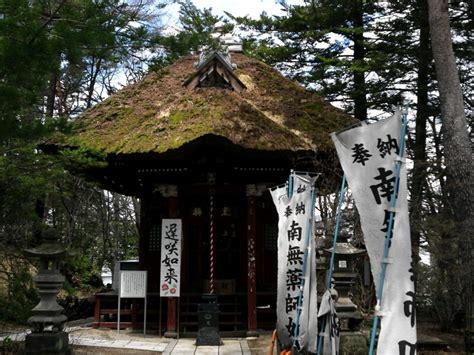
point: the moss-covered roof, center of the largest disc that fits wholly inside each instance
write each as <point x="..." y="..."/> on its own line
<point x="158" y="114"/>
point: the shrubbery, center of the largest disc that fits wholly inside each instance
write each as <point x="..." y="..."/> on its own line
<point x="20" y="295"/>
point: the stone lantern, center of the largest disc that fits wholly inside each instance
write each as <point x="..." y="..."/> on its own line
<point x="344" y="276"/>
<point x="47" y="322"/>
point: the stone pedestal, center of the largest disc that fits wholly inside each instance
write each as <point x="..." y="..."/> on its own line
<point x="252" y="334"/>
<point x="47" y="343"/>
<point x="349" y="316"/>
<point x="171" y="334"/>
<point x="208" y="327"/>
<point x="353" y="343"/>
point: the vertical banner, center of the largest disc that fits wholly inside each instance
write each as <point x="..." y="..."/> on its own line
<point x="170" y="258"/>
<point x="368" y="157"/>
<point x="293" y="228"/>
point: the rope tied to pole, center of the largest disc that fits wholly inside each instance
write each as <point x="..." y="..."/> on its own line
<point x="211" y="243"/>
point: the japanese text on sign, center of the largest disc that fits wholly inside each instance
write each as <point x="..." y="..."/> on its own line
<point x="133" y="284"/>
<point x="170" y="258"/>
<point x="296" y="298"/>
<point x="371" y="158"/>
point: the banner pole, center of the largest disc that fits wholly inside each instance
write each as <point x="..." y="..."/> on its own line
<point x="331" y="262"/>
<point x="118" y="305"/>
<point x="305" y="259"/>
<point x="336" y="232"/>
<point x="388" y="235"/>
<point x="144" y="317"/>
<point x="159" y="319"/>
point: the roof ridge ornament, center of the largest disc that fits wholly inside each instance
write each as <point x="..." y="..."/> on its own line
<point x="215" y="69"/>
<point x="207" y="52"/>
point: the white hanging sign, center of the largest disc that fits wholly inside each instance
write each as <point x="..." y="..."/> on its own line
<point x="171" y="235"/>
<point x="368" y="157"/>
<point x="293" y="224"/>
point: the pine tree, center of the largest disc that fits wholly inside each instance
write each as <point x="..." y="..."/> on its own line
<point x="198" y="28"/>
<point x="323" y="45"/>
<point x="457" y="147"/>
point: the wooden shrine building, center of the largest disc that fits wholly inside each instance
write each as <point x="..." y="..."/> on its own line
<point x="214" y="129"/>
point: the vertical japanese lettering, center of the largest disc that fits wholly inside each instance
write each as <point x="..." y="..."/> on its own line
<point x="409" y="307"/>
<point x="386" y="147"/>
<point x="385" y="188"/>
<point x="291" y="326"/>
<point x="411" y="271"/>
<point x="361" y="155"/>
<point x="294" y="232"/>
<point x="291" y="303"/>
<point x="301" y="188"/>
<point x="404" y="345"/>
<point x="170" y="257"/>
<point x="386" y="221"/>
<point x="300" y="208"/>
<point x="293" y="279"/>
<point x="295" y="255"/>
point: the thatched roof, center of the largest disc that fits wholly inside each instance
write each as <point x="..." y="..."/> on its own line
<point x="159" y="114"/>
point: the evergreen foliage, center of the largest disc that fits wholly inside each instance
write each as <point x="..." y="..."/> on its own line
<point x="198" y="29"/>
<point x="60" y="57"/>
<point x="365" y="56"/>
<point x="57" y="58"/>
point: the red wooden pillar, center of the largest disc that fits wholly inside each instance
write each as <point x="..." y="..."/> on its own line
<point x="96" y="323"/>
<point x="143" y="230"/>
<point x="171" y="192"/>
<point x="251" y="260"/>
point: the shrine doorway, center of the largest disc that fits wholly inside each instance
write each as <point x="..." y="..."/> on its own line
<point x="230" y="252"/>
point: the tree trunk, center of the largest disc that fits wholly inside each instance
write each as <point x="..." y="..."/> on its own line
<point x="457" y="150"/>
<point x="359" y="92"/>
<point x="95" y="69"/>
<point x="51" y="96"/>
<point x="420" y="163"/>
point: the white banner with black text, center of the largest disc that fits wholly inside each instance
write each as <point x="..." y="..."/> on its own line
<point x="294" y="214"/>
<point x="170" y="257"/>
<point x="368" y="156"/>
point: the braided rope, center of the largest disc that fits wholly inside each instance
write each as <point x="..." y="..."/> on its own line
<point x="211" y="242"/>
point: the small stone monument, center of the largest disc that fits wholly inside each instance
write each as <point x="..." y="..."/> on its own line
<point x="47" y="322"/>
<point x="208" y="327"/>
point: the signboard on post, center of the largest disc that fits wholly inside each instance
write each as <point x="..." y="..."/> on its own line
<point x="171" y="233"/>
<point x="132" y="285"/>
